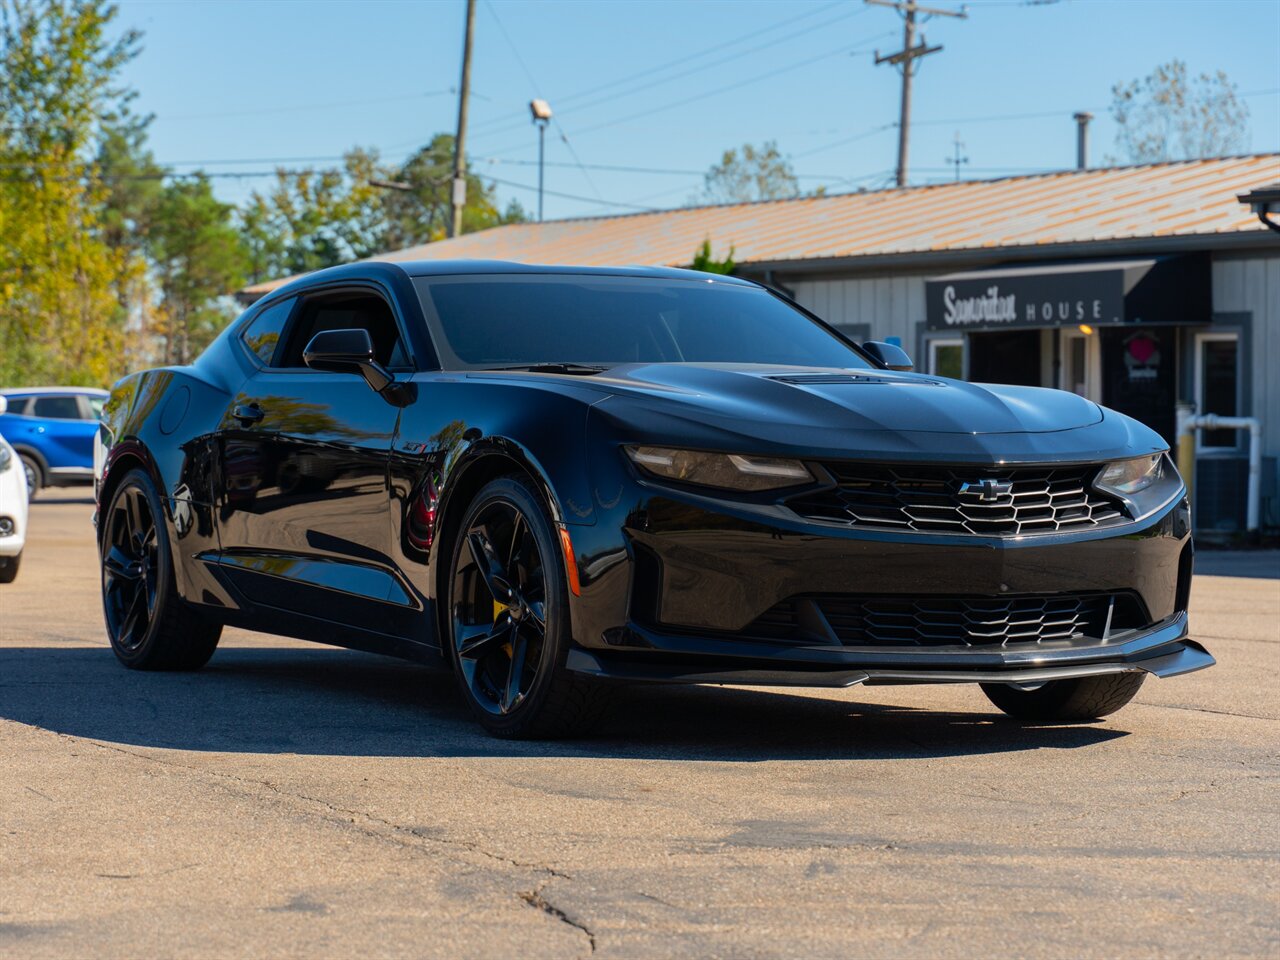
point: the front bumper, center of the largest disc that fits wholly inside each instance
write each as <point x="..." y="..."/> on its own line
<point x="1164" y="650"/>
<point x="673" y="585"/>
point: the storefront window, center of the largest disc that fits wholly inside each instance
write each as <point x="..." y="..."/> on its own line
<point x="946" y="358"/>
<point x="1218" y="384"/>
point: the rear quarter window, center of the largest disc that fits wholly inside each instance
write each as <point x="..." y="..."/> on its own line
<point x="262" y="334"/>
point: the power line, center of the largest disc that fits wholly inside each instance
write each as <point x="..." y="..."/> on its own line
<point x="870" y="132"/>
<point x="1040" y="114"/>
<point x="571" y="196"/>
<point x="679" y="61"/>
<point x="807" y="61"/>
<point x="564" y="137"/>
<point x="773" y="43"/>
<point x="622" y="168"/>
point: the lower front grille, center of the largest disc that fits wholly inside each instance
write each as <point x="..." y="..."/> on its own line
<point x="947" y="621"/>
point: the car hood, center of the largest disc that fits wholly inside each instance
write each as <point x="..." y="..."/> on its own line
<point x="847" y="400"/>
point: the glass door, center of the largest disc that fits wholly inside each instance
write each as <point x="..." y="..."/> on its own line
<point x="1081" y="364"/>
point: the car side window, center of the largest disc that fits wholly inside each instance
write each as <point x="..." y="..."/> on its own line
<point x="262" y="334"/>
<point x="57" y="408"/>
<point x="18" y="406"/>
<point x="348" y="310"/>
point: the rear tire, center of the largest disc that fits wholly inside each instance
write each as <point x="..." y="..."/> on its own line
<point x="149" y="625"/>
<point x="35" y="476"/>
<point x="1065" y="701"/>
<point x="9" y="567"/>
<point x="507" y="620"/>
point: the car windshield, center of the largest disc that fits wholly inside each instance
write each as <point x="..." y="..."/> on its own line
<point x="520" y="320"/>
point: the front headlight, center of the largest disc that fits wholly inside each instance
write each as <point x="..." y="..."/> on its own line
<point x="1127" y="477"/>
<point x="726" y="471"/>
<point x="1145" y="484"/>
<point x="6" y="459"/>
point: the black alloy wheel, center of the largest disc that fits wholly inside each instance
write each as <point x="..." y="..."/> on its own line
<point x="130" y="568"/>
<point x="149" y="625"/>
<point x="508" y="619"/>
<point x="500" y="610"/>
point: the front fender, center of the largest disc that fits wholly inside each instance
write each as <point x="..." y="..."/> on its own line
<point x="438" y="464"/>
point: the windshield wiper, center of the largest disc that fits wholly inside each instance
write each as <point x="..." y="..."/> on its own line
<point x="577" y="369"/>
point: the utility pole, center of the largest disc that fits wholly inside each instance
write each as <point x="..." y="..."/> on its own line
<point x="904" y="60"/>
<point x="956" y="160"/>
<point x="460" y="140"/>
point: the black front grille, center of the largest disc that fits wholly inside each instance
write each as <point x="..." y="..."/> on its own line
<point x="947" y="621"/>
<point x="978" y="501"/>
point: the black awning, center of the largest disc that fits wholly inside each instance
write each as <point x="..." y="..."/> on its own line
<point x="1159" y="290"/>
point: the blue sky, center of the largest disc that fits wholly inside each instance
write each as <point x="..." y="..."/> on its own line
<point x="668" y="85"/>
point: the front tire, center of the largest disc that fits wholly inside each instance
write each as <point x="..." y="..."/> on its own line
<point x="1067" y="701"/>
<point x="35" y="476"/>
<point x="9" y="567"/>
<point x="149" y="626"/>
<point x="508" y="620"/>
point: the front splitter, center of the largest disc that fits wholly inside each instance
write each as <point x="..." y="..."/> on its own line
<point x="1164" y="651"/>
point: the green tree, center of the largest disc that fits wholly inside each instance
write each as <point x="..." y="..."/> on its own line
<point x="319" y="218"/>
<point x="750" y="173"/>
<point x="315" y="218"/>
<point x="1169" y="115"/>
<point x="132" y="181"/>
<point x="704" y="261"/>
<point x="60" y="317"/>
<point x="197" y="256"/>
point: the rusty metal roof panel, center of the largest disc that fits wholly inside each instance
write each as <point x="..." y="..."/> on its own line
<point x="1077" y="206"/>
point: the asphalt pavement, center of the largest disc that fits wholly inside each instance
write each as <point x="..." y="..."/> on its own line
<point x="293" y="799"/>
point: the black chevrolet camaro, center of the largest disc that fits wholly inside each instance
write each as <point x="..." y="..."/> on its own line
<point x="553" y="479"/>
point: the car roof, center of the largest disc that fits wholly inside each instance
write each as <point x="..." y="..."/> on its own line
<point x="44" y="391"/>
<point x="436" y="268"/>
<point x="377" y="269"/>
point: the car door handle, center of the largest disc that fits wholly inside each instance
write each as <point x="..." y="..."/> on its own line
<point x="248" y="414"/>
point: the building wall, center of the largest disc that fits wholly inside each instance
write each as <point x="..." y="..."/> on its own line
<point x="1251" y="285"/>
<point x="886" y="306"/>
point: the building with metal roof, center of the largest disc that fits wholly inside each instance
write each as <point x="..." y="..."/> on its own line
<point x="1141" y="287"/>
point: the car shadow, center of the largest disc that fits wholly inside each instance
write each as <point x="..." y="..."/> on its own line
<point x="340" y="703"/>
<point x="54" y="496"/>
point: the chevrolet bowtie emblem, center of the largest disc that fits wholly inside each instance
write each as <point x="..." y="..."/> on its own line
<point x="988" y="489"/>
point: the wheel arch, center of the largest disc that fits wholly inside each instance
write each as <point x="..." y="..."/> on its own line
<point x="478" y="467"/>
<point x="27" y="450"/>
<point x="126" y="457"/>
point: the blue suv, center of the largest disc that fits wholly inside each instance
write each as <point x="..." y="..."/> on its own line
<point x="52" y="429"/>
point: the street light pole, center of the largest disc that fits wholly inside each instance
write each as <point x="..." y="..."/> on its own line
<point x="541" y="111"/>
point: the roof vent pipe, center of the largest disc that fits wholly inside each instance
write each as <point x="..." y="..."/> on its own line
<point x="1082" y="139"/>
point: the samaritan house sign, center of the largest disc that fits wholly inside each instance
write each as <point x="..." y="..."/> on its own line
<point x="1055" y="295"/>
<point x="978" y="302"/>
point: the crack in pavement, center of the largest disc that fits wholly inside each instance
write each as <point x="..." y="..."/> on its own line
<point x="1225" y="713"/>
<point x="468" y="845"/>
<point x="534" y="898"/>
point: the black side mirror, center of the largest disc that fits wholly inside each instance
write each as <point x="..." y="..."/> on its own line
<point x="347" y="351"/>
<point x="887" y="355"/>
